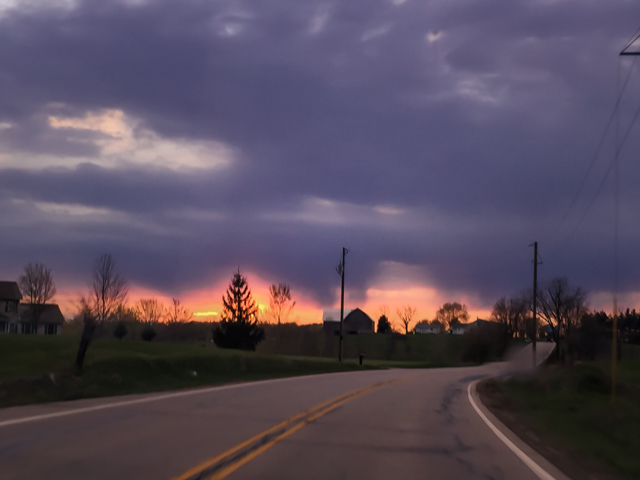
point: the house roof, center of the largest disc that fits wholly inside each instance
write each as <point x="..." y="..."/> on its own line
<point x="355" y="313"/>
<point x="10" y="291"/>
<point x="50" y="313"/>
<point x="333" y="314"/>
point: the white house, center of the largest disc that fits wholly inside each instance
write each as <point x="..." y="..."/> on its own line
<point x="425" y="327"/>
<point x="459" y="328"/>
<point x="16" y="317"/>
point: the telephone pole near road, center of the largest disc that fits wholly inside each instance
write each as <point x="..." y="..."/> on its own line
<point x="535" y="301"/>
<point x="340" y="270"/>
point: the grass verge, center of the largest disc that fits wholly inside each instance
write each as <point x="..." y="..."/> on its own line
<point x="35" y="369"/>
<point x="566" y="414"/>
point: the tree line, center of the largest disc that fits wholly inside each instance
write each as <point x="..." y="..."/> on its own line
<point x="447" y="316"/>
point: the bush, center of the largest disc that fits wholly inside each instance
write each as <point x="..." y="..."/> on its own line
<point x="120" y="331"/>
<point x="148" y="334"/>
<point x="484" y="343"/>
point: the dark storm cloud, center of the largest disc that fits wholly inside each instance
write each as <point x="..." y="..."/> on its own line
<point x="480" y="139"/>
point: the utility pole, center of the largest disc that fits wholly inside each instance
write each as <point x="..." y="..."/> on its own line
<point x="535" y="301"/>
<point x="614" y="334"/>
<point x="340" y="271"/>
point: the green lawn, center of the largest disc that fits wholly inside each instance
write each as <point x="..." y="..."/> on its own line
<point x="570" y="408"/>
<point x="39" y="368"/>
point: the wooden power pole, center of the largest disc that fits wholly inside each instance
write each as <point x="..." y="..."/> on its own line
<point x="535" y="302"/>
<point x="341" y="272"/>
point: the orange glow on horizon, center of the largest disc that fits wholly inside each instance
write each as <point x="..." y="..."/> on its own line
<point x="206" y="302"/>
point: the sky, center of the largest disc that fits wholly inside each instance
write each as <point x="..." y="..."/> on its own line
<point x="437" y="140"/>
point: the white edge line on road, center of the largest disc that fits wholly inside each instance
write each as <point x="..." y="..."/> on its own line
<point x="535" y="468"/>
<point x="155" y="398"/>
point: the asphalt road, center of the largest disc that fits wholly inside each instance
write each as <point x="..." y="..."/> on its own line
<point x="401" y="424"/>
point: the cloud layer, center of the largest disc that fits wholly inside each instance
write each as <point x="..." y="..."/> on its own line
<point x="190" y="137"/>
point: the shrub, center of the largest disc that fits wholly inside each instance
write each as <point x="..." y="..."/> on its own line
<point x="120" y="331"/>
<point x="484" y="343"/>
<point x="148" y="334"/>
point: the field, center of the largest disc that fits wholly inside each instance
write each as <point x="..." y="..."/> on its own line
<point x="566" y="413"/>
<point x="39" y="368"/>
<point x="426" y="350"/>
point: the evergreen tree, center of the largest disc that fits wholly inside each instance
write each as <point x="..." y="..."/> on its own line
<point x="384" y="325"/>
<point x="238" y="327"/>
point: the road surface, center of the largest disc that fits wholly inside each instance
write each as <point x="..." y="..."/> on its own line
<point x="382" y="424"/>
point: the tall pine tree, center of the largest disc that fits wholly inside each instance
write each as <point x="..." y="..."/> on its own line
<point x="238" y="327"/>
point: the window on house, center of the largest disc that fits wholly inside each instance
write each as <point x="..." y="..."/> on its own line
<point x="26" y="328"/>
<point x="50" y="329"/>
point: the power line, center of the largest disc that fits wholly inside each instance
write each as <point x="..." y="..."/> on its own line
<point x="601" y="143"/>
<point x="606" y="176"/>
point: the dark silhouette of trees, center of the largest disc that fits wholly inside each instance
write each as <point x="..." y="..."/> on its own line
<point x="561" y="305"/>
<point x="107" y="293"/>
<point x="513" y="314"/>
<point x="177" y="317"/>
<point x="120" y="331"/>
<point x="238" y="327"/>
<point x="37" y="285"/>
<point x="178" y="313"/>
<point x="406" y="314"/>
<point x="451" y="313"/>
<point x="88" y="329"/>
<point x="280" y="303"/>
<point x="384" y="326"/>
<point x="108" y="289"/>
<point x="150" y="311"/>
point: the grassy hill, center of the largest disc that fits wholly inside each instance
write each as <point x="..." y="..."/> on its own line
<point x="39" y="368"/>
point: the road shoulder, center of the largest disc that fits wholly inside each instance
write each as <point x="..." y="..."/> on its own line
<point x="537" y="462"/>
<point x="569" y="464"/>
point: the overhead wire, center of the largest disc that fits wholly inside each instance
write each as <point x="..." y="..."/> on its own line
<point x="608" y="172"/>
<point x="601" y="143"/>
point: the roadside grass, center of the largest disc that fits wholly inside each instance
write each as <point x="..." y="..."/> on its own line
<point x="569" y="409"/>
<point x="36" y="369"/>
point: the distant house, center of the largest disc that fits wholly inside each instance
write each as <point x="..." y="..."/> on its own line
<point x="426" y="327"/>
<point x="355" y="321"/>
<point x="458" y="328"/>
<point x="10" y="297"/>
<point x="16" y="317"/>
<point x="50" y="321"/>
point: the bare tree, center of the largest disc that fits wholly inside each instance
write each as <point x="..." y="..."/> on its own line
<point x="406" y="314"/>
<point x="280" y="303"/>
<point x="89" y="327"/>
<point x="512" y="313"/>
<point x="562" y="306"/>
<point x="108" y="289"/>
<point x="178" y="313"/>
<point x="150" y="310"/>
<point x="37" y="285"/>
<point x="451" y="313"/>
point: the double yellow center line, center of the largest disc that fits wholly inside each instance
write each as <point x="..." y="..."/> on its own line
<point x="228" y="462"/>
